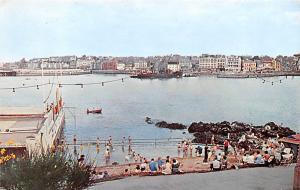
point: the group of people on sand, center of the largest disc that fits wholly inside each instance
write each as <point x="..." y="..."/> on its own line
<point x="215" y="156"/>
<point x="270" y="154"/>
<point x="165" y="166"/>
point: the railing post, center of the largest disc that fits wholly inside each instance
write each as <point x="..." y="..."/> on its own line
<point x="297" y="172"/>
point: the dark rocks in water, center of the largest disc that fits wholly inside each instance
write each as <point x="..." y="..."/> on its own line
<point x="199" y="127"/>
<point x="148" y="120"/>
<point x="204" y="131"/>
<point x="271" y="126"/>
<point x="163" y="124"/>
<point x="206" y="137"/>
<point x="222" y="128"/>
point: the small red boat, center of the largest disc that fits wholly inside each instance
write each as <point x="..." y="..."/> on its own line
<point x="94" y="111"/>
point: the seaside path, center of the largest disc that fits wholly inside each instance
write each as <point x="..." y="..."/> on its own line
<point x="278" y="178"/>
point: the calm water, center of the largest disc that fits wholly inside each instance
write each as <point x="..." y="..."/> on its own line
<point x="125" y="105"/>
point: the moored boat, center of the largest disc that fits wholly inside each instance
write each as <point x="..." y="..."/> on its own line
<point x="177" y="74"/>
<point x="99" y="111"/>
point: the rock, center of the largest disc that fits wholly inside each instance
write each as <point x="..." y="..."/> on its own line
<point x="205" y="137"/>
<point x="148" y="120"/>
<point x="163" y="124"/>
<point x="271" y="126"/>
<point x="198" y="127"/>
<point x="203" y="132"/>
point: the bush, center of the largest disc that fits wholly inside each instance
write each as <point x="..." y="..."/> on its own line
<point x="45" y="171"/>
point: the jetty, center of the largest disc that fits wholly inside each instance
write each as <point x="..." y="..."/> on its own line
<point x="6" y="73"/>
<point x="256" y="75"/>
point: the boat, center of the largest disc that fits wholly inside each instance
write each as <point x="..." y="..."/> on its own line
<point x="177" y="74"/>
<point x="99" y="111"/>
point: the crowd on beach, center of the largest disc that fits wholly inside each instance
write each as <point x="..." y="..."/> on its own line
<point x="214" y="157"/>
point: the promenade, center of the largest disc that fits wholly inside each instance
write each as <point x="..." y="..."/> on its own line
<point x="278" y="178"/>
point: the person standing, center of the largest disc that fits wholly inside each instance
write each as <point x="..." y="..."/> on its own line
<point x="213" y="139"/>
<point x="205" y="153"/>
<point x="107" y="156"/>
<point x="178" y="149"/>
<point x="98" y="144"/>
<point x="129" y="140"/>
<point x="226" y="144"/>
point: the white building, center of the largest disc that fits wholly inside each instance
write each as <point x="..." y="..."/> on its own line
<point x="248" y="65"/>
<point x="85" y="62"/>
<point x="140" y="65"/>
<point x="173" y="66"/>
<point x="121" y="66"/>
<point x="186" y="64"/>
<point x="37" y="63"/>
<point x="233" y="64"/>
<point x="212" y="62"/>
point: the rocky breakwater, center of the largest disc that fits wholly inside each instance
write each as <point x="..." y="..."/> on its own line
<point x="240" y="134"/>
<point x="163" y="124"/>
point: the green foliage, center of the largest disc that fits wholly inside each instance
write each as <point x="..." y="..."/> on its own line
<point x="45" y="171"/>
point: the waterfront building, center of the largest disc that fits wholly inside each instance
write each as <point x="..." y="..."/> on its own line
<point x="208" y="63"/>
<point x="110" y="64"/>
<point x="97" y="65"/>
<point x="54" y="62"/>
<point x="297" y="60"/>
<point x="233" y="63"/>
<point x="269" y="64"/>
<point x="287" y="63"/>
<point x="121" y="66"/>
<point x="160" y="67"/>
<point x="173" y="67"/>
<point x="221" y="60"/>
<point x="212" y="62"/>
<point x="186" y="63"/>
<point x="248" y="65"/>
<point x="69" y="62"/>
<point x="141" y="66"/>
<point x="85" y="62"/>
<point x="276" y="65"/>
<point x="36" y="63"/>
<point x="129" y="66"/>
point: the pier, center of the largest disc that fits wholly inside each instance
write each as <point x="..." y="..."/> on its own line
<point x="29" y="129"/>
<point x="257" y="75"/>
<point x="5" y="73"/>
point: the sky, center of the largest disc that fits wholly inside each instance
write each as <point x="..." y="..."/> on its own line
<point x="43" y="28"/>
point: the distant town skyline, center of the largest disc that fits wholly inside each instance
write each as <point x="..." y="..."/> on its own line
<point x="147" y="28"/>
